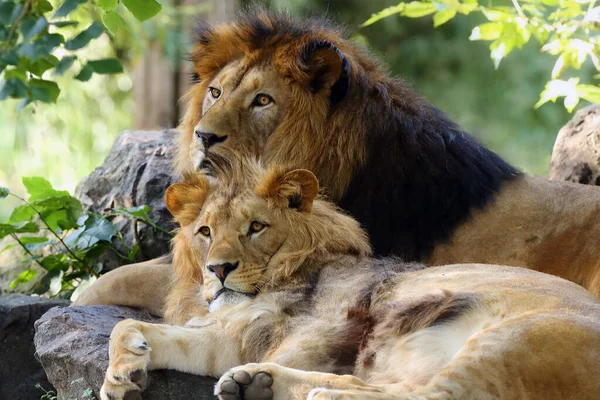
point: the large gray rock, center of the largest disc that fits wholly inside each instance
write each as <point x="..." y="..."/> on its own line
<point x="576" y="154"/>
<point x="20" y="371"/>
<point x="72" y="344"/>
<point x="137" y="171"/>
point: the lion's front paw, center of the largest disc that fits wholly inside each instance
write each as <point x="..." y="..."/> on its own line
<point x="126" y="376"/>
<point x="249" y="382"/>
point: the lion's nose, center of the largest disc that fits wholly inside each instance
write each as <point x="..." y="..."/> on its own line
<point x="222" y="270"/>
<point x="209" y="139"/>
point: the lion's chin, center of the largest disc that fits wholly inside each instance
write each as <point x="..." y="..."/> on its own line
<point x="226" y="298"/>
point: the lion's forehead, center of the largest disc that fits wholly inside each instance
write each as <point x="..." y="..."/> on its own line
<point x="240" y="75"/>
<point x="239" y="208"/>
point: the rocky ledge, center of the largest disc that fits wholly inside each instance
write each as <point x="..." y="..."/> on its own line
<point x="72" y="345"/>
<point x="20" y="372"/>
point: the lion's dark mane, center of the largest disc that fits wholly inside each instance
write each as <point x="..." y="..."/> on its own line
<point x="423" y="175"/>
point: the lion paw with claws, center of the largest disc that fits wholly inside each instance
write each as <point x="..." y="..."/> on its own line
<point x="127" y="374"/>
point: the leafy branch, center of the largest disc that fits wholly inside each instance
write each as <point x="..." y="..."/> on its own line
<point x="566" y="29"/>
<point x="83" y="238"/>
<point x="30" y="36"/>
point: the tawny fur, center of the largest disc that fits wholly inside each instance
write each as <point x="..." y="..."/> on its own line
<point x="530" y="222"/>
<point x="310" y="314"/>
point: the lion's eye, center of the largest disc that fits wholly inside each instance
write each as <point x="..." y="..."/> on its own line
<point x="262" y="100"/>
<point x="214" y="92"/>
<point x="205" y="231"/>
<point x="255" y="227"/>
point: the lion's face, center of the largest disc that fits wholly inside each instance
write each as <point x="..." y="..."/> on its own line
<point x="240" y="109"/>
<point x="239" y="236"/>
<point x="254" y="229"/>
<point x="274" y="94"/>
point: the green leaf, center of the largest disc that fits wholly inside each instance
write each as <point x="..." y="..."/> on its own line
<point x="4" y="192"/>
<point x="113" y="21"/>
<point x="94" y="230"/>
<point x="416" y="9"/>
<point x="67" y="7"/>
<point x="10" y="58"/>
<point x="64" y="65"/>
<point x="108" y="5"/>
<point x="50" y="284"/>
<point x="82" y="39"/>
<point x="14" y="88"/>
<point x="44" y="6"/>
<point x="40" y="47"/>
<point x="386" y="12"/>
<point x="32" y="27"/>
<point x="56" y="262"/>
<point x="590" y="93"/>
<point x="23" y="227"/>
<point x="62" y="24"/>
<point x="6" y="10"/>
<point x="17" y="12"/>
<point x="44" y="91"/>
<point x="16" y="73"/>
<point x="441" y="17"/>
<point x="39" y="188"/>
<point x="24" y="277"/>
<point x="487" y="31"/>
<point x="33" y="243"/>
<point x="106" y="66"/>
<point x="85" y="74"/>
<point x="40" y="66"/>
<point x="142" y="9"/>
<point x="22" y="213"/>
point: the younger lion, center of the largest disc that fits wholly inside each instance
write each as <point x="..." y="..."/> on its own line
<point x="268" y="274"/>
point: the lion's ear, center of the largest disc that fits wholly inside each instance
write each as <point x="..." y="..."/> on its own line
<point x="294" y="189"/>
<point x="180" y="195"/>
<point x="328" y="68"/>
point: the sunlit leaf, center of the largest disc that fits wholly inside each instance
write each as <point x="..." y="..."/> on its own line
<point x="142" y="9"/>
<point x="39" y="188"/>
<point x="416" y="9"/>
<point x="386" y="12"/>
<point x="23" y="277"/>
<point x="487" y="31"/>
<point x="22" y="213"/>
<point x="108" y="5"/>
<point x="441" y="17"/>
<point x="113" y="21"/>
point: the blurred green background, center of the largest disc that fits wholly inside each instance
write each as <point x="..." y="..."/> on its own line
<point x="65" y="141"/>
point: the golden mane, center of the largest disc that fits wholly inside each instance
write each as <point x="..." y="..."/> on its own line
<point x="318" y="229"/>
<point x="379" y="149"/>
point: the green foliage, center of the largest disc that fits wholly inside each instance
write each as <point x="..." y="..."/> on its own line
<point x="69" y="242"/>
<point x="566" y="29"/>
<point x="33" y="36"/>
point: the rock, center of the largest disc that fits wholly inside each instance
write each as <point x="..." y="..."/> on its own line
<point x="72" y="344"/>
<point x="576" y="154"/>
<point x="137" y="171"/>
<point x="20" y="371"/>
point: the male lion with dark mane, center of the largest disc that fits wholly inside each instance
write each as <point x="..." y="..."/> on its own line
<point x="278" y="297"/>
<point x="298" y="93"/>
